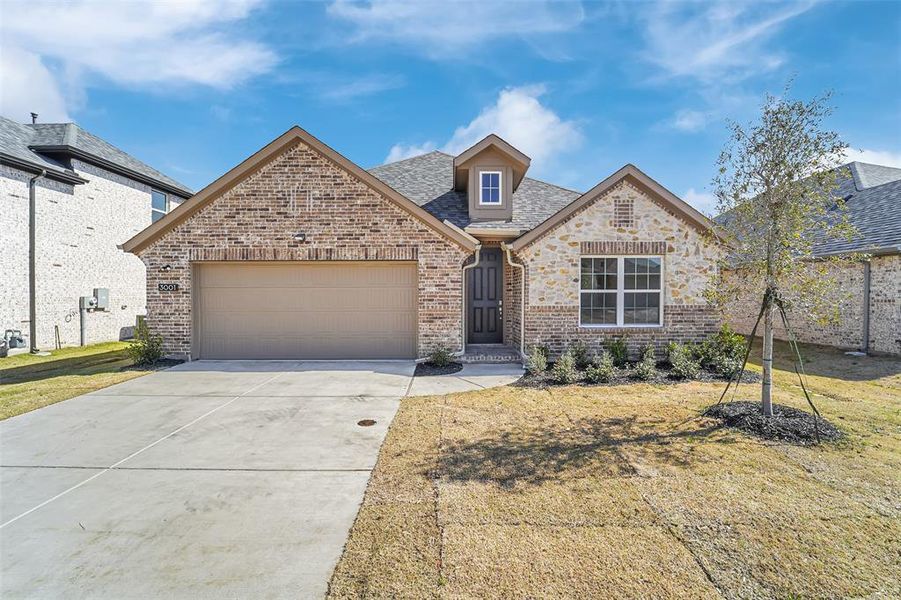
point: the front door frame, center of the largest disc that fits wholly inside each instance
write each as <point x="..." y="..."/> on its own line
<point x="478" y="329"/>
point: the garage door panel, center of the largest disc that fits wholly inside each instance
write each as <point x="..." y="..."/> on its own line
<point x="306" y="310"/>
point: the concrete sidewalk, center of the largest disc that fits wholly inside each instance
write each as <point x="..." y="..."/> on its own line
<point x="472" y="377"/>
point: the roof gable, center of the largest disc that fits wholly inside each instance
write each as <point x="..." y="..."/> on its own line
<point x="491" y="143"/>
<point x="260" y="159"/>
<point x="634" y="176"/>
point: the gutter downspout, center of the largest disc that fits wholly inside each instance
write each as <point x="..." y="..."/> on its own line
<point x="866" y="308"/>
<point x="474" y="263"/>
<point x="522" y="300"/>
<point x="32" y="292"/>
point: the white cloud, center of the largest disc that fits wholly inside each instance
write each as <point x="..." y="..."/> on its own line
<point x="886" y="158"/>
<point x="402" y="151"/>
<point x="521" y="119"/>
<point x="135" y="44"/>
<point x="716" y="41"/>
<point x="702" y="201"/>
<point x="29" y="86"/>
<point x="441" y="29"/>
<point x="690" y="120"/>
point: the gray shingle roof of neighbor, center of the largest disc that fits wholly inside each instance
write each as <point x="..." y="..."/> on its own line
<point x="14" y="141"/>
<point x="38" y="145"/>
<point x="55" y="136"/>
<point x="428" y="180"/>
<point x="872" y="196"/>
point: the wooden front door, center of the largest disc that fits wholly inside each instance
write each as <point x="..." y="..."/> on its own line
<point x="485" y="284"/>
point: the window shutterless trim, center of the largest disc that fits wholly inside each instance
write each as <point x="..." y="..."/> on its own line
<point x="500" y="188"/>
<point x="621" y="293"/>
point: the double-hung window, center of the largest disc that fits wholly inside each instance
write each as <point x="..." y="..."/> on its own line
<point x="490" y="187"/>
<point x="621" y="291"/>
<point x="159" y="205"/>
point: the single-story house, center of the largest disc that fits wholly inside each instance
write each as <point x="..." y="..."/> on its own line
<point x="299" y="253"/>
<point x="68" y="199"/>
<point x="867" y="292"/>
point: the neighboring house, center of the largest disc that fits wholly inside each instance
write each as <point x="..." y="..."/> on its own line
<point x="89" y="197"/>
<point x="868" y="292"/>
<point x="299" y="253"/>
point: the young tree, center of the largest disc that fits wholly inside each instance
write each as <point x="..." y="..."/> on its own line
<point x="775" y="191"/>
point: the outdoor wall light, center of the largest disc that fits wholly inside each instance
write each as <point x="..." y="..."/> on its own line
<point x="300" y="237"/>
<point x="166" y="268"/>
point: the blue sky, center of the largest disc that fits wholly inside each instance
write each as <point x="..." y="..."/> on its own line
<point x="194" y="87"/>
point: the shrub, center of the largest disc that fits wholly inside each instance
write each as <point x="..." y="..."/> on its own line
<point x="680" y="357"/>
<point x="646" y="368"/>
<point x="601" y="369"/>
<point x="537" y="360"/>
<point x="727" y="366"/>
<point x="579" y="351"/>
<point x="441" y="356"/>
<point x="147" y="347"/>
<point x="723" y="352"/>
<point x="564" y="370"/>
<point x="618" y="351"/>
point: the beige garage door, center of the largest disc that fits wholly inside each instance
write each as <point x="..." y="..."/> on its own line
<point x="312" y="310"/>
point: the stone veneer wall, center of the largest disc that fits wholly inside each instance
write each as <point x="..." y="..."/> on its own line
<point x="553" y="272"/>
<point x="885" y="304"/>
<point x="343" y="219"/>
<point x="78" y="230"/>
<point x="848" y="294"/>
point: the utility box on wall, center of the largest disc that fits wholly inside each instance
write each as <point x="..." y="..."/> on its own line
<point x="102" y="297"/>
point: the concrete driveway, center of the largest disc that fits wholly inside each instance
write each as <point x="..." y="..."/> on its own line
<point x="209" y="480"/>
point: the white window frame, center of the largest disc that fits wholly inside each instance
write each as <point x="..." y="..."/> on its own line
<point x="500" y="188"/>
<point x="621" y="292"/>
<point x="156" y="210"/>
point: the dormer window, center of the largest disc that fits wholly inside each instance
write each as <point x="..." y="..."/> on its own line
<point x="490" y="189"/>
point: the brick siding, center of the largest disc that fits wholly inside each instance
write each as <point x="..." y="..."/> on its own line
<point x="343" y="219"/>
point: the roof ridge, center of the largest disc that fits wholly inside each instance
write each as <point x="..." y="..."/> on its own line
<point x="409" y="158"/>
<point x="559" y="187"/>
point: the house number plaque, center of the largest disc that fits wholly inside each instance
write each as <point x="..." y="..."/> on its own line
<point x="168" y="287"/>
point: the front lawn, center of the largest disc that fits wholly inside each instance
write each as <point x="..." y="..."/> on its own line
<point x="28" y="382"/>
<point x="624" y="491"/>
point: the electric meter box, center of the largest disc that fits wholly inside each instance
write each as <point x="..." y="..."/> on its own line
<point x="102" y="297"/>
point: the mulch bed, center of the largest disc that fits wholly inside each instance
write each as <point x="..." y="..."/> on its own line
<point x="430" y="369"/>
<point x="624" y="377"/>
<point x="163" y="363"/>
<point x="787" y="424"/>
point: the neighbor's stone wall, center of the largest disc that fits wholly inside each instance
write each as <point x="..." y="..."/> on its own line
<point x="343" y="218"/>
<point x="553" y="272"/>
<point x="847" y="294"/>
<point x="885" y="304"/>
<point x="77" y="233"/>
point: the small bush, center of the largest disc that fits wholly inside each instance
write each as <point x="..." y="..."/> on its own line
<point x="727" y="366"/>
<point x="147" y="347"/>
<point x="579" y="351"/>
<point x="618" y="351"/>
<point x="680" y="357"/>
<point x="723" y="352"/>
<point x="601" y="369"/>
<point x="441" y="356"/>
<point x="564" y="370"/>
<point x="646" y="369"/>
<point x="537" y="360"/>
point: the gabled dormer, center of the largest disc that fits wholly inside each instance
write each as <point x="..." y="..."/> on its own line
<point x="489" y="172"/>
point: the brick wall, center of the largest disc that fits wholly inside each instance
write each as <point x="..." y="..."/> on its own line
<point x="343" y="219"/>
<point x="553" y="272"/>
<point x="78" y="230"/>
<point x="848" y="295"/>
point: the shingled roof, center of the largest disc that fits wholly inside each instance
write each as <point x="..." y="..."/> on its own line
<point x="49" y="145"/>
<point x="428" y="180"/>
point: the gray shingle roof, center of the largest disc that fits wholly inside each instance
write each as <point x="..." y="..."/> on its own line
<point x="14" y="141"/>
<point x="428" y="180"/>
<point x="49" y="136"/>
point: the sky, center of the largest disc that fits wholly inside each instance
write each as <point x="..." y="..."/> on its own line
<point x="194" y="87"/>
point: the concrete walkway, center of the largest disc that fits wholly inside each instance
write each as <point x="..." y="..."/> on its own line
<point x="208" y="480"/>
<point x="472" y="377"/>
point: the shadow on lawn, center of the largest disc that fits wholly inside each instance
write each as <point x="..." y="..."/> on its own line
<point x="587" y="447"/>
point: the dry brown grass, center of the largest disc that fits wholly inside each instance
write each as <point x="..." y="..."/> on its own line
<point x="625" y="492"/>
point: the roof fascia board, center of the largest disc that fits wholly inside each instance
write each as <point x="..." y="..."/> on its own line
<point x="258" y="160"/>
<point x="49" y="172"/>
<point x="112" y="167"/>
<point x="635" y="176"/>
